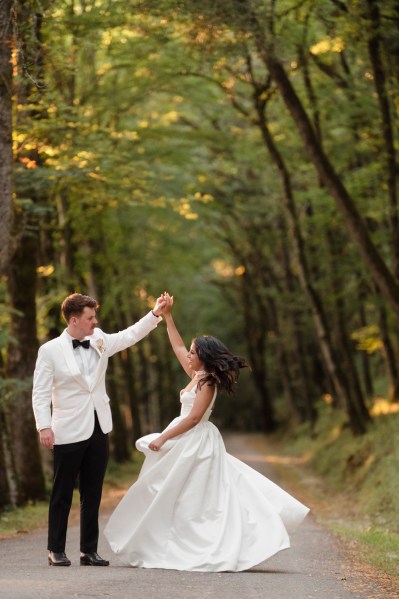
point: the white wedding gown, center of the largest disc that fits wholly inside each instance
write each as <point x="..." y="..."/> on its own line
<point x="195" y="507"/>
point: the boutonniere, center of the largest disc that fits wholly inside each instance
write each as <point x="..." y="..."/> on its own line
<point x="100" y="345"/>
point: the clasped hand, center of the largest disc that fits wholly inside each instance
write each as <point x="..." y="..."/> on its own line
<point x="163" y="304"/>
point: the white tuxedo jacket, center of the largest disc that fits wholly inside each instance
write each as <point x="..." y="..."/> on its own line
<point x="62" y="398"/>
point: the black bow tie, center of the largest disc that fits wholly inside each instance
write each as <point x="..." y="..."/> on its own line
<point x="85" y="343"/>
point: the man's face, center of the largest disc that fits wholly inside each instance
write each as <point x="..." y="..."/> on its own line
<point x="84" y="324"/>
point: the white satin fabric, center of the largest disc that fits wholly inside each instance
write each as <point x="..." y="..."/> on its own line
<point x="195" y="507"/>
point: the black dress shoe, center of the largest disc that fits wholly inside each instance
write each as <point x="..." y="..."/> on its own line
<point x="58" y="559"/>
<point x="92" y="559"/>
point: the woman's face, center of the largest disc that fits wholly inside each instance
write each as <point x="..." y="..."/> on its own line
<point x="193" y="359"/>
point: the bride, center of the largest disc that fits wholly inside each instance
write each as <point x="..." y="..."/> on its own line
<point x="194" y="506"/>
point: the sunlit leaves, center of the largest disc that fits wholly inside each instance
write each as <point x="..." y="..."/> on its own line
<point x="368" y="339"/>
<point x="328" y="45"/>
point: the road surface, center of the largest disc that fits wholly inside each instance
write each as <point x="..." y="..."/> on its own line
<point x="316" y="567"/>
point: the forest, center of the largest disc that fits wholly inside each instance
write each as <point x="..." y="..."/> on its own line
<point x="240" y="154"/>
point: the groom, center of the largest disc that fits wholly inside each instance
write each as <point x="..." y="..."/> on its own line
<point x="73" y="417"/>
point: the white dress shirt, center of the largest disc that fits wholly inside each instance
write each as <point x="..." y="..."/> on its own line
<point x="87" y="360"/>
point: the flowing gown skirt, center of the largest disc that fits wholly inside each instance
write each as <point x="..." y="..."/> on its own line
<point x="195" y="507"/>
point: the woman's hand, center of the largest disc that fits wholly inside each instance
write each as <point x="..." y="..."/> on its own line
<point x="156" y="444"/>
<point x="167" y="309"/>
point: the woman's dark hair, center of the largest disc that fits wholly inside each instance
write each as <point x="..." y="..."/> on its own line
<point x="221" y="365"/>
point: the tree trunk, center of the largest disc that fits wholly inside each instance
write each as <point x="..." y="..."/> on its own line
<point x="365" y="360"/>
<point x="167" y="392"/>
<point x="21" y="361"/>
<point x="300" y="352"/>
<point x="119" y="436"/>
<point x="8" y="486"/>
<point x="393" y="48"/>
<point x="6" y="186"/>
<point x="388" y="352"/>
<point x="342" y="338"/>
<point x="66" y="249"/>
<point x="374" y="46"/>
<point x="255" y="313"/>
<point x="129" y="377"/>
<point x="285" y="366"/>
<point x="323" y="333"/>
<point x="256" y="342"/>
<point x="21" y="280"/>
<point x="297" y="383"/>
<point x="148" y="422"/>
<point x="171" y="398"/>
<point x="356" y="227"/>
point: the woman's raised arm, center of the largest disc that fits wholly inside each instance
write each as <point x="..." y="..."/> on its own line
<point x="175" y="339"/>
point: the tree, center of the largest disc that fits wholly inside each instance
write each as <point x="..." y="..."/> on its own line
<point x="21" y="283"/>
<point x="6" y="84"/>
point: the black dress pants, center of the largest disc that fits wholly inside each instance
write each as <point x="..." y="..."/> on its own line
<point x="88" y="460"/>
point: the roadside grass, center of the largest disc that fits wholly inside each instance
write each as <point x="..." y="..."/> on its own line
<point x="33" y="515"/>
<point x="23" y="519"/>
<point x="378" y="547"/>
<point x="351" y="483"/>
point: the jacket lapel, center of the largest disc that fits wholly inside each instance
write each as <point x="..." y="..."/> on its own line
<point x="96" y="343"/>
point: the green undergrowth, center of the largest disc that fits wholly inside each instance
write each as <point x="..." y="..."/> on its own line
<point x="122" y="475"/>
<point x="377" y="546"/>
<point x="23" y="519"/>
<point x="354" y="481"/>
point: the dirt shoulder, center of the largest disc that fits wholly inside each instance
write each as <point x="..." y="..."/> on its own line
<point x="330" y="511"/>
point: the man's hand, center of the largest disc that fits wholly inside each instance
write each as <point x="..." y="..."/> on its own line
<point x="160" y="304"/>
<point x="47" y="438"/>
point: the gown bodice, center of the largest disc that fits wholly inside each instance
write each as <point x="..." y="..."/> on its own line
<point x="187" y="400"/>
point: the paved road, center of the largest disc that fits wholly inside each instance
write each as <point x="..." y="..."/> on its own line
<point x="316" y="566"/>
